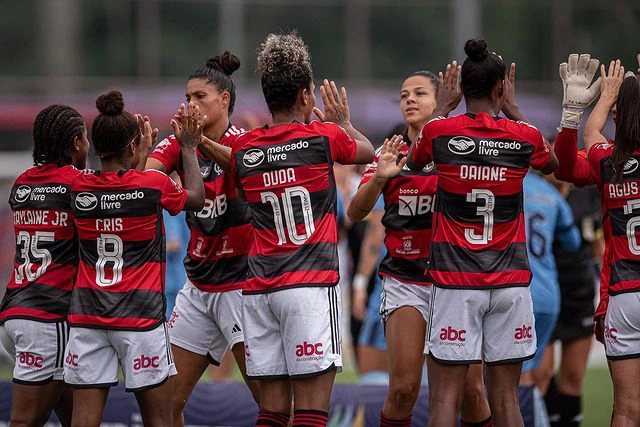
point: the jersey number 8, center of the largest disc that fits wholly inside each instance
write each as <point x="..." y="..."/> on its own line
<point x="110" y="250"/>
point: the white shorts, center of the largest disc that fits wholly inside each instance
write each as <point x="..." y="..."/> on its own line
<point x="467" y="324"/>
<point x="622" y="326"/>
<point x="93" y="356"/>
<point x="206" y="323"/>
<point x="292" y="333"/>
<point x="37" y="348"/>
<point x="397" y="294"/>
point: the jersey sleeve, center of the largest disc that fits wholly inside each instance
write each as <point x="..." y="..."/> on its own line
<point x="596" y="154"/>
<point x="541" y="150"/>
<point x="173" y="196"/>
<point x="343" y="147"/>
<point x="422" y="150"/>
<point x="573" y="165"/>
<point x="370" y="169"/>
<point x="167" y="152"/>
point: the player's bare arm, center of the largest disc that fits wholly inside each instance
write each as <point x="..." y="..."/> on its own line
<point x="388" y="167"/>
<point x="336" y="110"/>
<point x="189" y="133"/>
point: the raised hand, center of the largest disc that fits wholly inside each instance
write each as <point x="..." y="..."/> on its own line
<point x="578" y="90"/>
<point x="449" y="93"/>
<point x="148" y="135"/>
<point x="388" y="164"/>
<point x="187" y="126"/>
<point x="611" y="82"/>
<point x="336" y="106"/>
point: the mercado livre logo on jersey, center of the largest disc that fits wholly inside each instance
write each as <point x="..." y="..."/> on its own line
<point x="253" y="157"/>
<point x="22" y="193"/>
<point x="461" y="145"/>
<point x="86" y="201"/>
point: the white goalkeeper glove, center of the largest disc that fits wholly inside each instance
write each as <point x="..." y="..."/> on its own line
<point x="579" y="92"/>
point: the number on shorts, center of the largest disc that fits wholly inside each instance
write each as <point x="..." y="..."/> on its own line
<point x="632" y="226"/>
<point x="284" y="215"/>
<point x="110" y="249"/>
<point x="30" y="251"/>
<point x="486" y="212"/>
<point x="535" y="236"/>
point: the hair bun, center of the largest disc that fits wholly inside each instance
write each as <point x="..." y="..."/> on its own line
<point x="226" y="63"/>
<point x="476" y="49"/>
<point x="110" y="103"/>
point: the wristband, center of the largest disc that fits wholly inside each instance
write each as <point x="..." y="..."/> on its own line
<point x="571" y="117"/>
<point x="360" y="281"/>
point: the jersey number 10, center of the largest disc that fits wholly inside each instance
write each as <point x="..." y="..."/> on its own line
<point x="284" y="215"/>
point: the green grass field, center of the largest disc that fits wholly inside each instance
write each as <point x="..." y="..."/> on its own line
<point x="598" y="393"/>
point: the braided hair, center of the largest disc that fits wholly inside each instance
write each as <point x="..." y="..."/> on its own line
<point x="114" y="128"/>
<point x="217" y="71"/>
<point x="54" y="130"/>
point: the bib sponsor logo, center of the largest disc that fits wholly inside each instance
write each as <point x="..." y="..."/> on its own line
<point x="414" y="205"/>
<point x="22" y="193"/>
<point x="461" y="145"/>
<point x="31" y="360"/>
<point x="86" y="201"/>
<point x="630" y="166"/>
<point x="253" y="158"/>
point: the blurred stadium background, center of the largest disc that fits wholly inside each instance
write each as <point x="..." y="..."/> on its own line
<point x="68" y="51"/>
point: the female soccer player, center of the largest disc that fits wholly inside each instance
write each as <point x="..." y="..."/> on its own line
<point x="291" y="304"/>
<point x="614" y="165"/>
<point x="117" y="312"/>
<point x="33" y="312"/>
<point x="409" y="202"/>
<point x="480" y="303"/>
<point x="207" y="319"/>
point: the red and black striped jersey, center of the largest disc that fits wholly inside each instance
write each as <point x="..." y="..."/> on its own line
<point x="286" y="174"/>
<point x="46" y="256"/>
<point x="621" y="217"/>
<point x="219" y="244"/>
<point x="479" y="234"/>
<point x="409" y="200"/>
<point x="121" y="273"/>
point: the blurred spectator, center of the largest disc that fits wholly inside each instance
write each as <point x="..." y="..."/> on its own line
<point x="578" y="273"/>
<point x="177" y="238"/>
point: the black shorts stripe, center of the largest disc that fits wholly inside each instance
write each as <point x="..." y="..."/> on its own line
<point x="59" y="339"/>
<point x="329" y="298"/>
<point x="336" y="319"/>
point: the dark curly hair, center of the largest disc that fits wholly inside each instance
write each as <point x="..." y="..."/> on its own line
<point x="54" y="130"/>
<point x="284" y="65"/>
<point x="481" y="70"/>
<point x="114" y="128"/>
<point x="217" y="71"/>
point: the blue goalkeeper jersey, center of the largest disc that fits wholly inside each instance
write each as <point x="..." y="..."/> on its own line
<point x="548" y="216"/>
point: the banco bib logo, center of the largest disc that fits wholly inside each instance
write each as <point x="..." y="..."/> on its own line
<point x="253" y="157"/>
<point x="461" y="145"/>
<point x="86" y="201"/>
<point x="22" y="193"/>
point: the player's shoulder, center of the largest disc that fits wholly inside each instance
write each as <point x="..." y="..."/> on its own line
<point x="601" y="149"/>
<point x="167" y="142"/>
<point x="232" y="135"/>
<point x="526" y="130"/>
